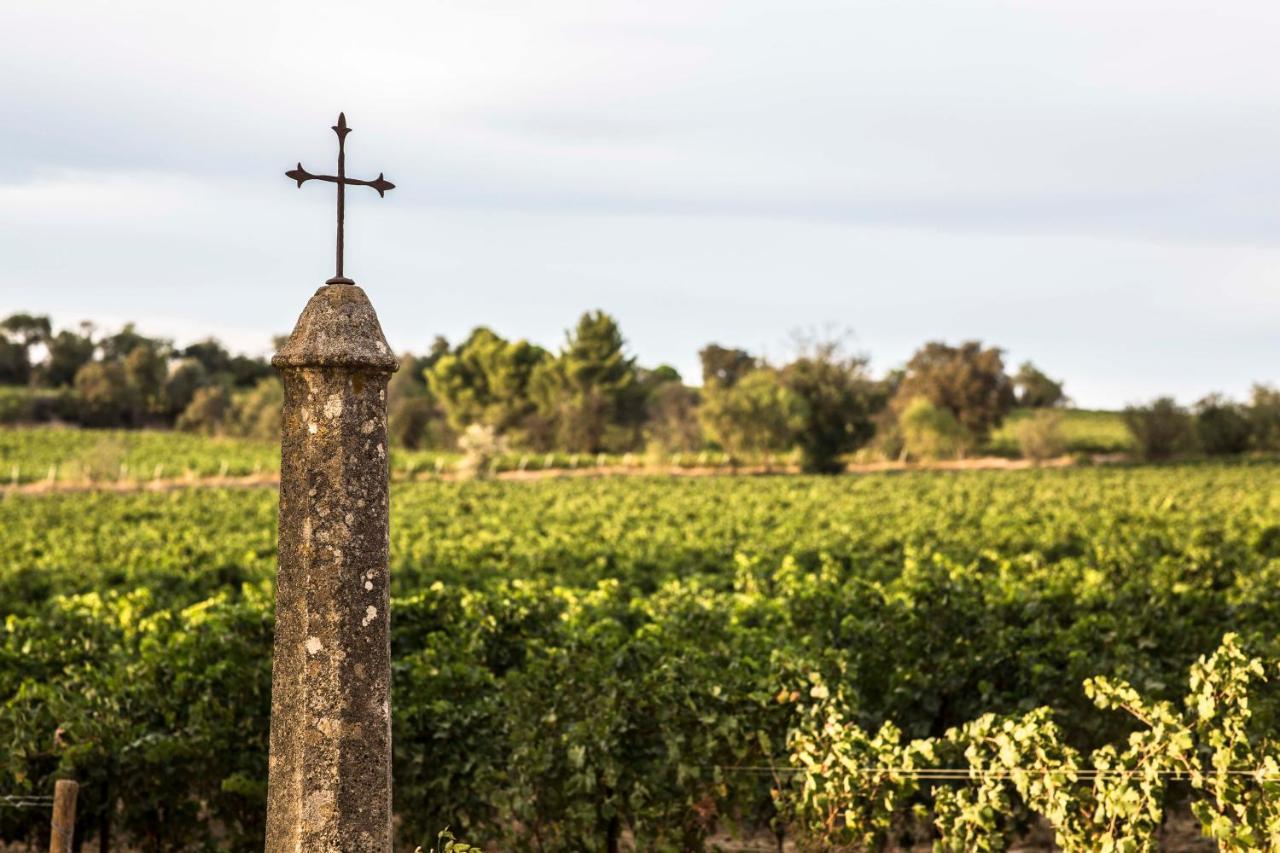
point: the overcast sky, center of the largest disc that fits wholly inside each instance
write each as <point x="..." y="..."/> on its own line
<point x="1094" y="186"/>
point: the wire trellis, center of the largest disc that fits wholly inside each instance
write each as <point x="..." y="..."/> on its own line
<point x="965" y="773"/>
<point x="26" y="801"/>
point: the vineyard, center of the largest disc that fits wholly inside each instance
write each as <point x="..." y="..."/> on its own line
<point x="48" y="454"/>
<point x="662" y="662"/>
<point x="44" y="454"/>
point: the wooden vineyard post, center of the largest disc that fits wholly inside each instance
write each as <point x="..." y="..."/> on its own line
<point x="63" y="831"/>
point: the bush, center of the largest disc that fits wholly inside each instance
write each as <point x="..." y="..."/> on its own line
<point x="207" y="412"/>
<point x="1222" y="426"/>
<point x="1160" y="429"/>
<point x="932" y="432"/>
<point x="480" y="445"/>
<point x="256" y="412"/>
<point x="1040" y="436"/>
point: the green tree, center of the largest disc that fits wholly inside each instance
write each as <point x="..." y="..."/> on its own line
<point x="1036" y="390"/>
<point x="207" y="412"/>
<point x="116" y="347"/>
<point x="725" y="366"/>
<point x="486" y="380"/>
<point x="590" y="393"/>
<point x="839" y="399"/>
<point x="758" y="413"/>
<point x="1264" y="417"/>
<point x="67" y="352"/>
<point x="968" y="380"/>
<point x="15" y="363"/>
<point x="413" y="420"/>
<point x="180" y="387"/>
<point x="106" y="396"/>
<point x="18" y="334"/>
<point x="209" y="354"/>
<point x="146" y="369"/>
<point x="26" y="329"/>
<point x="1160" y="428"/>
<point x="255" y="413"/>
<point x="1222" y="427"/>
<point x="671" y="412"/>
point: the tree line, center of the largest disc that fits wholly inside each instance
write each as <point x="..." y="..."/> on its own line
<point x="591" y="395"/>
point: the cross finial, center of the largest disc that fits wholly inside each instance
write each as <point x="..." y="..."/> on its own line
<point x="380" y="184"/>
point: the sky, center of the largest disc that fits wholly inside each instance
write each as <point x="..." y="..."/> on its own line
<point x="1094" y="186"/>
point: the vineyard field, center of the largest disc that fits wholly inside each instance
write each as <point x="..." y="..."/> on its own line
<point x="79" y="456"/>
<point x="581" y="657"/>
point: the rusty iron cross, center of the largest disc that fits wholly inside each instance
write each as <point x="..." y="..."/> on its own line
<point x="301" y="175"/>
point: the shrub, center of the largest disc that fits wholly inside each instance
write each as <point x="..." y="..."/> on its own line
<point x="480" y="445"/>
<point x="256" y="412"/>
<point x="1160" y="429"/>
<point x="207" y="412"/>
<point x="1222" y="426"/>
<point x="1040" y="436"/>
<point x="672" y="419"/>
<point x="932" y="432"/>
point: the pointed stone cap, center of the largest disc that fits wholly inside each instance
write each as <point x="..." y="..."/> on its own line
<point x="338" y="328"/>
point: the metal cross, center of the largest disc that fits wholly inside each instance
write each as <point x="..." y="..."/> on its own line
<point x="301" y="175"/>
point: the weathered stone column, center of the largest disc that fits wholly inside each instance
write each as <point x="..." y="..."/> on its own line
<point x="330" y="776"/>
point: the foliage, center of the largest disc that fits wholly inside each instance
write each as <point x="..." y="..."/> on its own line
<point x="724" y="366"/>
<point x="107" y="398"/>
<point x="671" y="422"/>
<point x="1160" y="428"/>
<point x="1040" y="436"/>
<point x="480" y="446"/>
<point x="486" y="380"/>
<point x="446" y="843"/>
<point x="68" y="351"/>
<point x="207" y="412"/>
<point x="853" y="787"/>
<point x="1222" y="427"/>
<point x="839" y="401"/>
<point x="590" y="393"/>
<point x="932" y="432"/>
<point x="1264" y="417"/>
<point x="41" y="453"/>
<point x="757" y="413"/>
<point x="1083" y="431"/>
<point x="968" y="380"/>
<point x="255" y="413"/>
<point x="413" y="419"/>
<point x="1035" y="389"/>
<point x="582" y="658"/>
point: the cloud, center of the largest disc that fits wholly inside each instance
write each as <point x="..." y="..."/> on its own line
<point x="711" y="169"/>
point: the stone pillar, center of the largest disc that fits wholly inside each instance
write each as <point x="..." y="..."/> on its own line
<point x="330" y="779"/>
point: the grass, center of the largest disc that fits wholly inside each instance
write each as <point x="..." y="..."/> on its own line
<point x="1085" y="431"/>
